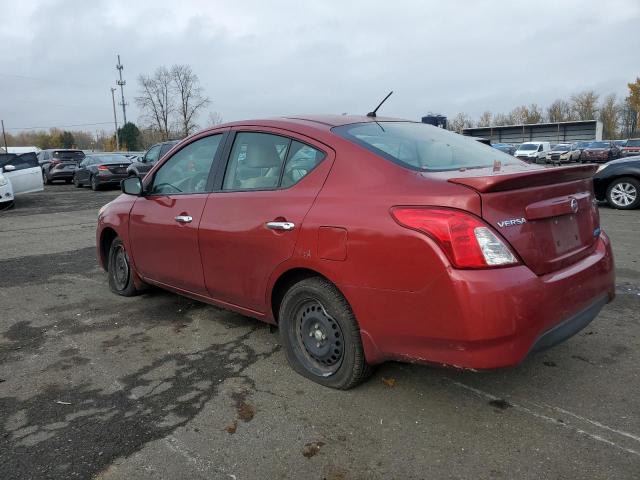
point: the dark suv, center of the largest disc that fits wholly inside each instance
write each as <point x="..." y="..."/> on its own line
<point x="59" y="164"/>
<point x="155" y="153"/>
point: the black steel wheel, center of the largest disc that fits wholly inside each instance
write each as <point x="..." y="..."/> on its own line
<point x="120" y="271"/>
<point x="321" y="336"/>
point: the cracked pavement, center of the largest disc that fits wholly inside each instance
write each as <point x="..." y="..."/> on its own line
<point x="93" y="385"/>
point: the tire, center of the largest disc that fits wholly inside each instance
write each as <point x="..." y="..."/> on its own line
<point x="95" y="186"/>
<point x="45" y="178"/>
<point x="76" y="182"/>
<point x="120" y="271"/>
<point x="320" y="335"/>
<point x="624" y="193"/>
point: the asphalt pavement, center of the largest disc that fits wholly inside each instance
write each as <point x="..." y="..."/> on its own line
<point x="93" y="385"/>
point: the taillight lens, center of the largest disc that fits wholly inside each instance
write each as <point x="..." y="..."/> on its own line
<point x="467" y="241"/>
<point x="103" y="168"/>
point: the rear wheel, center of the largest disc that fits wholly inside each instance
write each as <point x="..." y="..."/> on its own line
<point x="624" y="193"/>
<point x="120" y="271"/>
<point x="95" y="186"/>
<point x="321" y="336"/>
<point x="45" y="178"/>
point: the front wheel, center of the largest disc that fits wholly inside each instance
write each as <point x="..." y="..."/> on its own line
<point x="320" y="335"/>
<point x="95" y="186"/>
<point x="624" y="193"/>
<point x="76" y="182"/>
<point x="120" y="271"/>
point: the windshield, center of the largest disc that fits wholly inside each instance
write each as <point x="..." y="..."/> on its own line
<point x="561" y="148"/>
<point x="528" y="146"/>
<point x="633" y="143"/>
<point x="419" y="146"/>
<point x="599" y="145"/>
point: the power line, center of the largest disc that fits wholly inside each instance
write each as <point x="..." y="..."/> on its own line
<point x="61" y="126"/>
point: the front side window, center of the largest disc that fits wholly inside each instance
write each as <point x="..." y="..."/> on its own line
<point x="256" y="161"/>
<point x="422" y="147"/>
<point x="19" y="162"/>
<point x="187" y="171"/>
<point x="152" y="155"/>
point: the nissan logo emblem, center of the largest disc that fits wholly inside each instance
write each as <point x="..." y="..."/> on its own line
<point x="574" y="205"/>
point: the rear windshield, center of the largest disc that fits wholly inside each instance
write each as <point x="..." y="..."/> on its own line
<point x="68" y="154"/>
<point x="111" y="158"/>
<point x="633" y="143"/>
<point x="419" y="146"/>
<point x="599" y="145"/>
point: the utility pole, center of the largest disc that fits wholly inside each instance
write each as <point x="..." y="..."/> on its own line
<point x="115" y="119"/>
<point x="122" y="83"/>
<point x="6" y="149"/>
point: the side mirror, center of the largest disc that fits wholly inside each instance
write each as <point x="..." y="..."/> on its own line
<point x="131" y="186"/>
<point x="9" y="168"/>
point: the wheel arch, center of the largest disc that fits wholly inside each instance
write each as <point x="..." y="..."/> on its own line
<point x="107" y="236"/>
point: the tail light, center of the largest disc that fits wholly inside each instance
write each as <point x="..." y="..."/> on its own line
<point x="102" y="169"/>
<point x="466" y="240"/>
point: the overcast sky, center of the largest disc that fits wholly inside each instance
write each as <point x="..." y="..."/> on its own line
<point x="279" y="57"/>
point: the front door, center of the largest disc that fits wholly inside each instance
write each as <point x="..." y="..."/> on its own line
<point x="251" y="223"/>
<point x="163" y="224"/>
<point x="26" y="175"/>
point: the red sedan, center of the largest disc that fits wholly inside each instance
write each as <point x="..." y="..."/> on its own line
<point x="366" y="239"/>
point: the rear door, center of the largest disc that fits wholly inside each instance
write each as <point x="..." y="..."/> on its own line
<point x="251" y="222"/>
<point x="163" y="224"/>
<point x="26" y="176"/>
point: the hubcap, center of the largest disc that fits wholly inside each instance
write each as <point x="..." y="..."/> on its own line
<point x="120" y="268"/>
<point x="624" y="194"/>
<point x="320" y="336"/>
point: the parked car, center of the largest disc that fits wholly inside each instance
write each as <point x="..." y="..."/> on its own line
<point x="563" y="153"/>
<point x="600" y="152"/>
<point x="533" y="152"/>
<point x="98" y="170"/>
<point x="581" y="145"/>
<point x="155" y="153"/>
<point x="59" y="164"/>
<point x="631" y="148"/>
<point x="22" y="171"/>
<point x="450" y="262"/>
<point x="620" y="143"/>
<point x="505" y="147"/>
<point x="618" y="182"/>
<point x="6" y="193"/>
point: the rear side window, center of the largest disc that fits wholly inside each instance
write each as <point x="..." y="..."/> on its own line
<point x="422" y="147"/>
<point x="301" y="160"/>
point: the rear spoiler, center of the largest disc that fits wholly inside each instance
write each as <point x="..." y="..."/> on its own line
<point x="533" y="178"/>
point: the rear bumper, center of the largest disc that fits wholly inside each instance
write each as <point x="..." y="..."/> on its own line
<point x="61" y="174"/>
<point x="484" y="319"/>
<point x="112" y="179"/>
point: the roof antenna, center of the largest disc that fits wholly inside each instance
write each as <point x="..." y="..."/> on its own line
<point x="373" y="114"/>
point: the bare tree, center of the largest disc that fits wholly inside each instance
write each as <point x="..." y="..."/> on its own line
<point x="485" y="119"/>
<point x="559" y="111"/>
<point x="190" y="97"/>
<point x="501" y="119"/>
<point x="214" y="119"/>
<point x="609" y="114"/>
<point x="584" y="105"/>
<point x="460" y="122"/>
<point x="628" y="119"/>
<point x="155" y="99"/>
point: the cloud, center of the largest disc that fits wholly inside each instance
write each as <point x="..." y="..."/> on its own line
<point x="258" y="58"/>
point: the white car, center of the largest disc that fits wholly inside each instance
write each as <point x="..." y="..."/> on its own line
<point x="22" y="171"/>
<point x="563" y="152"/>
<point x="6" y="192"/>
<point x="533" y="152"/>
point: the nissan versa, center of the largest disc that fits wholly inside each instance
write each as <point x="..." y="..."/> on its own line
<point x="366" y="239"/>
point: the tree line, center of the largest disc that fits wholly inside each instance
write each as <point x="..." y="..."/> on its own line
<point x="620" y="117"/>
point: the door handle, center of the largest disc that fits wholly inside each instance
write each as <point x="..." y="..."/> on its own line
<point x="184" y="219"/>
<point x="280" y="225"/>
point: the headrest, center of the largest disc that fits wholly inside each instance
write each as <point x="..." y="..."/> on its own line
<point x="262" y="154"/>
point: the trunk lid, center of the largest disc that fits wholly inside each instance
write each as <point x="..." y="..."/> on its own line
<point x="548" y="216"/>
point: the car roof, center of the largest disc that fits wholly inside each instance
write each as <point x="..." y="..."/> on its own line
<point x="320" y="122"/>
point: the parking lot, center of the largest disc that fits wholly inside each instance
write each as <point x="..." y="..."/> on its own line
<point x="160" y="386"/>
